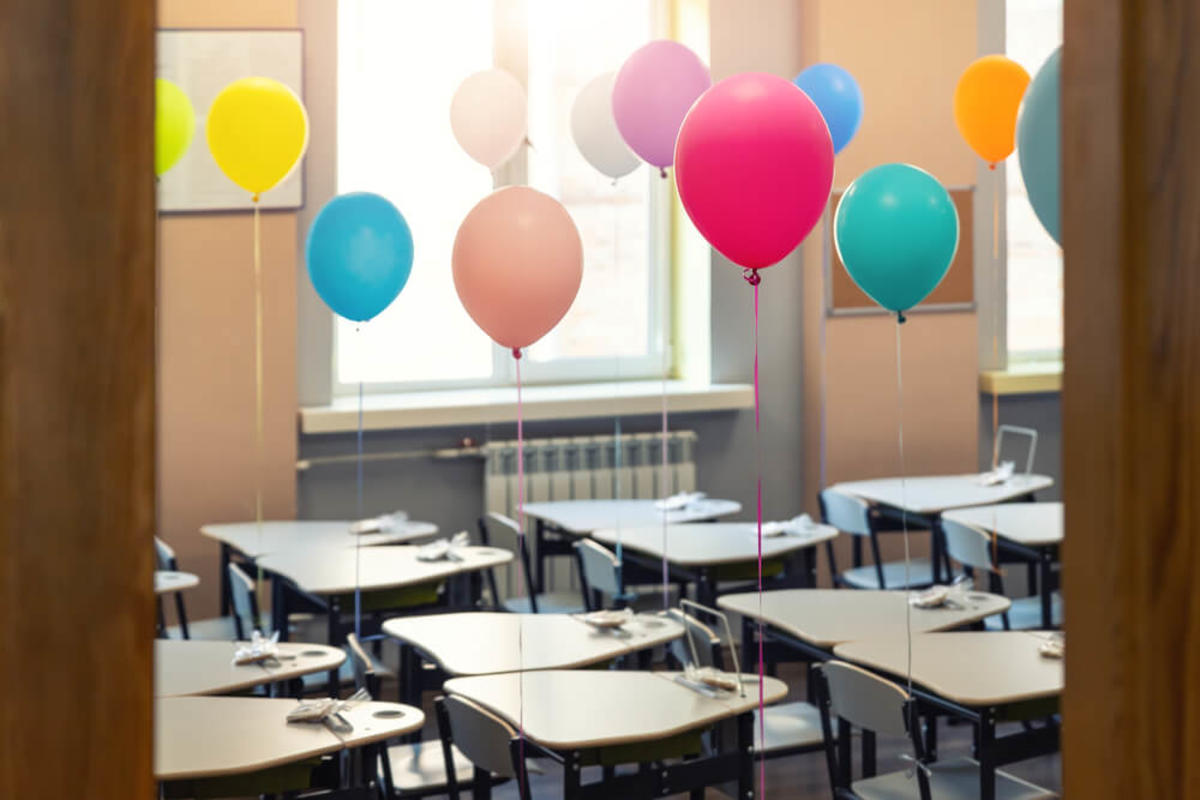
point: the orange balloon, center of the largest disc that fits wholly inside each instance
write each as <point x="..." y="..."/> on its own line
<point x="986" y="101"/>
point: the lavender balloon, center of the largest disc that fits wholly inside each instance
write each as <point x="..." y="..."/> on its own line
<point x="652" y="94"/>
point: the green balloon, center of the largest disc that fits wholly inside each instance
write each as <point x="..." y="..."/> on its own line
<point x="896" y="231"/>
<point x="174" y="124"/>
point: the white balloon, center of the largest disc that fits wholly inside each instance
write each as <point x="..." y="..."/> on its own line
<point x="594" y="129"/>
<point x="487" y="115"/>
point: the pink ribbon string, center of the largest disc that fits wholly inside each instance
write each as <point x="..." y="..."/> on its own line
<point x="521" y="579"/>
<point x="752" y="277"/>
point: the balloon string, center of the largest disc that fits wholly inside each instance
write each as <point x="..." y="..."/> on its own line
<point x="904" y="508"/>
<point x="259" y="437"/>
<point x="666" y="489"/>
<point x="359" y="487"/>
<point x="997" y="303"/>
<point x="617" y="418"/>
<point x="522" y="579"/>
<point x="752" y="277"/>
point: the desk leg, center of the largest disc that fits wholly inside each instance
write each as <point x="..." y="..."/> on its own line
<point x="810" y="567"/>
<point x="749" y="645"/>
<point x="539" y="538"/>
<point x="279" y="614"/>
<point x="571" y="776"/>
<point x="224" y="580"/>
<point x="1044" y="570"/>
<point x="745" y="746"/>
<point x="868" y="754"/>
<point x="987" y="755"/>
<point x="334" y="625"/>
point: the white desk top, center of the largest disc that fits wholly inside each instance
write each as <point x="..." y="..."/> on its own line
<point x="584" y="516"/>
<point x="198" y="666"/>
<point x="167" y="581"/>
<point x="972" y="668"/>
<point x="1033" y="524"/>
<point x="828" y="617"/>
<point x="283" y="535"/>
<point x="933" y="494"/>
<point x="483" y="643"/>
<point x="705" y="544"/>
<point x="332" y="570"/>
<point x="568" y="709"/>
<point x="206" y="737"/>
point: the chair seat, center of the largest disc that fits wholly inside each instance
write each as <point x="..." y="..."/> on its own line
<point x="1026" y="614"/>
<point x="421" y="766"/>
<point x="548" y="603"/>
<point x="789" y="726"/>
<point x="950" y="780"/>
<point x="920" y="574"/>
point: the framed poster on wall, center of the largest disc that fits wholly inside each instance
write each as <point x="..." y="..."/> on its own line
<point x="202" y="62"/>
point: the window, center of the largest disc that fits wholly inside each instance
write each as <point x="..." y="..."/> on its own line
<point x="399" y="62"/>
<point x="1033" y="29"/>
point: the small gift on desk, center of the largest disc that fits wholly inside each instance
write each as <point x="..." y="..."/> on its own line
<point x="801" y="525"/>
<point x="678" y="502"/>
<point x="261" y="648"/>
<point x="384" y="523"/>
<point x="956" y="595"/>
<point x="328" y="710"/>
<point x="1001" y="474"/>
<point x="1052" y="646"/>
<point x="445" y="549"/>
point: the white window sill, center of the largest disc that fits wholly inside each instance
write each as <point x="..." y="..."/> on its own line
<point x="499" y="404"/>
<point x="1035" y="377"/>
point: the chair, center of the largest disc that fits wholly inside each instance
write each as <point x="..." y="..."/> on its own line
<point x="790" y="727"/>
<point x="532" y="602"/>
<point x="856" y="697"/>
<point x="243" y="603"/>
<point x="854" y="516"/>
<point x="972" y="549"/>
<point x="417" y="769"/>
<point x="490" y="743"/>
<point x="600" y="574"/>
<point x="165" y="558"/>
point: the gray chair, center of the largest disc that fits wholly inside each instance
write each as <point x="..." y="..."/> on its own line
<point x="972" y="549"/>
<point x="497" y="530"/>
<point x="855" y="697"/>
<point x="164" y="557"/>
<point x="854" y="516"/>
<point x="488" y="742"/>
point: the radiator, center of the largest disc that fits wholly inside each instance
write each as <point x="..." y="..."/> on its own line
<point x="584" y="468"/>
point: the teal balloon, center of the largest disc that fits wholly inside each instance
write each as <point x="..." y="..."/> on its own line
<point x="1038" y="146"/>
<point x="360" y="254"/>
<point x="896" y="231"/>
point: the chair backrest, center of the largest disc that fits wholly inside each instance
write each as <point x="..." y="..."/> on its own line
<point x="365" y="676"/>
<point x="600" y="569"/>
<point x="865" y="699"/>
<point x="967" y="546"/>
<point x="705" y="641"/>
<point x="497" y="530"/>
<point x="164" y="555"/>
<point x="845" y="512"/>
<point x="245" y="604"/>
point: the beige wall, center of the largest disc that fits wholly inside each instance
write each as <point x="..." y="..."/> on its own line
<point x="206" y="452"/>
<point x="907" y="61"/>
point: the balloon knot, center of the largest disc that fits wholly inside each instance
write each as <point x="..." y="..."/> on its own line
<point x="992" y="166"/>
<point x="900" y="318"/>
<point x="254" y="197"/>
<point x="662" y="172"/>
<point x="516" y="351"/>
<point x="752" y="277"/>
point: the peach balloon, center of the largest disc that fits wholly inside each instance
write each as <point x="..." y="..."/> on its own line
<point x="517" y="262"/>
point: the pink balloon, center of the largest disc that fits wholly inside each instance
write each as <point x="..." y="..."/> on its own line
<point x="754" y="166"/>
<point x="653" y="92"/>
<point x="518" y="262"/>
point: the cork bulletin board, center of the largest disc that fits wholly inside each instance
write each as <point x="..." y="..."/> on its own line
<point x="956" y="291"/>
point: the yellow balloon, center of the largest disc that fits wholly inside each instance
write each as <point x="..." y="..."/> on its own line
<point x="257" y="131"/>
<point x="174" y="124"/>
<point x="986" y="101"/>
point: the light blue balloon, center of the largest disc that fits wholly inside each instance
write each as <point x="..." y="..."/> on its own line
<point x="360" y="254"/>
<point x="896" y="230"/>
<point x="1038" y="144"/>
<point x="838" y="97"/>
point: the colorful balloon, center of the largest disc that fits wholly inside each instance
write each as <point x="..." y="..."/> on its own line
<point x="517" y="263"/>
<point x="359" y="254"/>
<point x="1038" y="145"/>
<point x="174" y="124"/>
<point x="595" y="130"/>
<point x="487" y="116"/>
<point x="837" y="95"/>
<point x="257" y="132"/>
<point x="896" y="231"/>
<point x="653" y="91"/>
<point x="986" y="101"/>
<point x="754" y="166"/>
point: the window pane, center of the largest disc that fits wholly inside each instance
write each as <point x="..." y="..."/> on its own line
<point x="1033" y="31"/>
<point x="569" y="44"/>
<point x="399" y="62"/>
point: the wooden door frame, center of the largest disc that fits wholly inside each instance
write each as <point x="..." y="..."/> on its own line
<point x="77" y="304"/>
